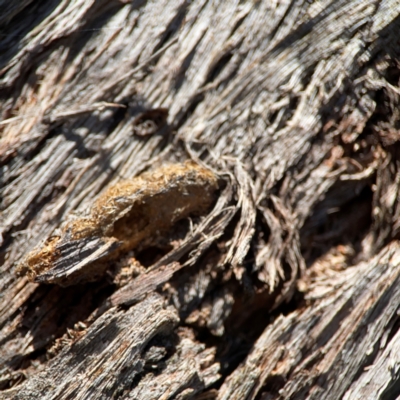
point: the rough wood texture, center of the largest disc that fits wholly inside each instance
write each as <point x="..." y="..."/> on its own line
<point x="287" y="285"/>
<point x="133" y="214"/>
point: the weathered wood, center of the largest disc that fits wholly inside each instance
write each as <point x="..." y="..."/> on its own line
<point x="119" y="337"/>
<point x="319" y="350"/>
<point x="132" y="214"/>
<point x="287" y="285"/>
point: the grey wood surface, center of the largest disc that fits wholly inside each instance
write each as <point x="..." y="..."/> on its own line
<point x="287" y="285"/>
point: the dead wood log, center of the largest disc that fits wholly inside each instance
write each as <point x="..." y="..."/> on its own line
<point x="280" y="281"/>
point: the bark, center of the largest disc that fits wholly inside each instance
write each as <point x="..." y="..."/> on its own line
<point x="277" y="276"/>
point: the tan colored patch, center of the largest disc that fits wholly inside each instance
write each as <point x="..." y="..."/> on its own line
<point x="39" y="261"/>
<point x="132" y="213"/>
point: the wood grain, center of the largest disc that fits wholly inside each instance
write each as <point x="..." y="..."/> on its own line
<point x="285" y="285"/>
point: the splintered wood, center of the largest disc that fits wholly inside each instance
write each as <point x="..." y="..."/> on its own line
<point x="131" y="214"/>
<point x="287" y="287"/>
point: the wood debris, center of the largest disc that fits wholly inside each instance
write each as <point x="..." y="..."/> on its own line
<point x="133" y="213"/>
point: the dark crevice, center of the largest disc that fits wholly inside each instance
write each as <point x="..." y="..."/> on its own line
<point x="14" y="31"/>
<point x="271" y="388"/>
<point x="343" y="217"/>
<point x="173" y="26"/>
<point x="186" y="113"/>
<point x="32" y="147"/>
<point x="224" y="58"/>
<point x="180" y="74"/>
<point x="304" y="28"/>
<point x="232" y="349"/>
<point x="393" y="390"/>
<point x="239" y="23"/>
<point x="218" y="66"/>
<point x="52" y="310"/>
<point x="95" y="19"/>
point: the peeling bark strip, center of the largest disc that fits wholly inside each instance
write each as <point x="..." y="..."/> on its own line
<point x="129" y="214"/>
<point x="287" y="284"/>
